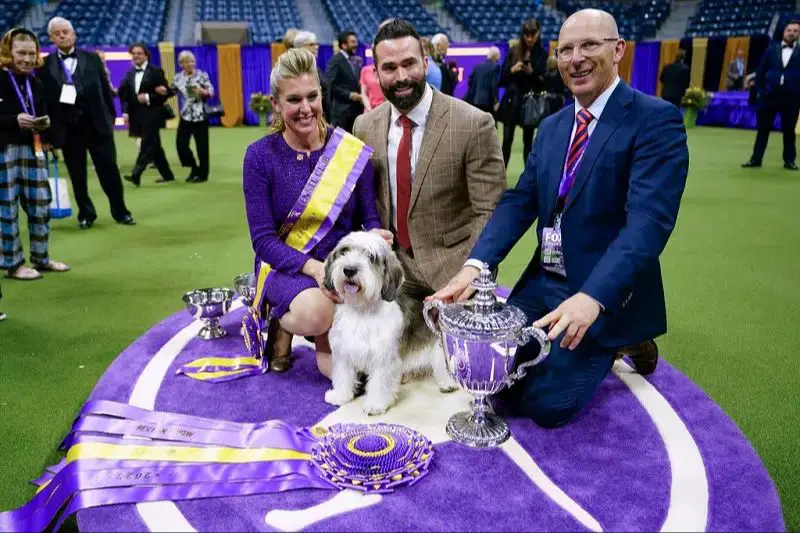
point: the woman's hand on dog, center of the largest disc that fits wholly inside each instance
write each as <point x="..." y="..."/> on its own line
<point x="316" y="269"/>
<point x="386" y="234"/>
<point x="459" y="288"/>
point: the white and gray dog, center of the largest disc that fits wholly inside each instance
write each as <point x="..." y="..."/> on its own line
<point x="378" y="330"/>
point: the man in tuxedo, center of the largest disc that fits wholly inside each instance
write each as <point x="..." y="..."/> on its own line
<point x="143" y="93"/>
<point x="439" y="168"/>
<point x="777" y="87"/>
<point x="343" y="88"/>
<point x="605" y="180"/>
<point x="82" y="113"/>
<point x="482" y="88"/>
<point x="675" y="80"/>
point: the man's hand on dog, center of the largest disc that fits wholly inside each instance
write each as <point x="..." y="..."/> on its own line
<point x="386" y="234"/>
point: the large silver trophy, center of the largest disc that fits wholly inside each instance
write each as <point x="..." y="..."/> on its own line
<point x="209" y="305"/>
<point x="480" y="338"/>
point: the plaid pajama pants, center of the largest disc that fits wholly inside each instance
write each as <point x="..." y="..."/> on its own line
<point x="24" y="181"/>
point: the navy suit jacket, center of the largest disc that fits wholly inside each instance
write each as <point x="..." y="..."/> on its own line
<point x="483" y="82"/>
<point x="618" y="216"/>
<point x="770" y="70"/>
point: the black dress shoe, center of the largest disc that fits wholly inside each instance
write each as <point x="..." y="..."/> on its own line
<point x="751" y="164"/>
<point x="643" y="356"/>
<point x="191" y="177"/>
<point x="790" y="166"/>
<point x="199" y="180"/>
<point x="127" y="220"/>
<point x="85" y="224"/>
<point x="135" y="181"/>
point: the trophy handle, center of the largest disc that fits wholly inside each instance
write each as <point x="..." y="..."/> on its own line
<point x="524" y="337"/>
<point x="426" y="313"/>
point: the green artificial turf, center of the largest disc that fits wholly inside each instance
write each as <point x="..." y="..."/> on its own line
<point x="730" y="274"/>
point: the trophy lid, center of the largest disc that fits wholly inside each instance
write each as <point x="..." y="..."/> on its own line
<point x="483" y="317"/>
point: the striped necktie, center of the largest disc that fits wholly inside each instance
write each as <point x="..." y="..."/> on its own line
<point x="576" y="149"/>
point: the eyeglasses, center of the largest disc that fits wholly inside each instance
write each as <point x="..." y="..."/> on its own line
<point x="588" y="48"/>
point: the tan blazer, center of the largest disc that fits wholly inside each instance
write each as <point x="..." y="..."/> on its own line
<point x="458" y="180"/>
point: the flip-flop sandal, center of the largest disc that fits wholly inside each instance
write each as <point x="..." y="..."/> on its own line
<point x="24" y="274"/>
<point x="53" y="266"/>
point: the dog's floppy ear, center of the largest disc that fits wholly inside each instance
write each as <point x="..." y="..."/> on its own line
<point x="392" y="278"/>
<point x="327" y="282"/>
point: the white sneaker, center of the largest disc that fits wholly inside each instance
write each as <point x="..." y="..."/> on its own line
<point x="3" y="316"/>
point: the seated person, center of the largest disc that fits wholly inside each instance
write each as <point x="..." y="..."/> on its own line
<point x="277" y="169"/>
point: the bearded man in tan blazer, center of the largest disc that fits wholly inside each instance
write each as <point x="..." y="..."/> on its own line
<point x="438" y="164"/>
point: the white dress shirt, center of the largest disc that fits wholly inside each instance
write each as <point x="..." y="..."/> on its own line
<point x="786" y="55"/>
<point x="419" y="116"/>
<point x="137" y="77"/>
<point x="71" y="63"/>
<point x="596" y="109"/>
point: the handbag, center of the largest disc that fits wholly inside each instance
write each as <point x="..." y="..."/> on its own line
<point x="59" y="202"/>
<point x="214" y="110"/>
<point x="534" y="109"/>
<point x="169" y="113"/>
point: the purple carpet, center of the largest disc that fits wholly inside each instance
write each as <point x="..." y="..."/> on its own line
<point x="612" y="461"/>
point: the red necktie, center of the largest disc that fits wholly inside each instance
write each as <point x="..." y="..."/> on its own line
<point x="403" y="176"/>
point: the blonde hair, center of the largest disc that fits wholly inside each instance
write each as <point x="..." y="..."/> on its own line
<point x="294" y="63"/>
<point x="17" y="34"/>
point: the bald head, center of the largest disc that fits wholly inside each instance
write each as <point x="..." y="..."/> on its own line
<point x="591" y="19"/>
<point x="589" y="50"/>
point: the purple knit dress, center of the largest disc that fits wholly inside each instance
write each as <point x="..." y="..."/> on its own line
<point x="274" y="176"/>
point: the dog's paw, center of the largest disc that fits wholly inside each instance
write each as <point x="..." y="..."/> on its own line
<point x="338" y="396"/>
<point x="374" y="409"/>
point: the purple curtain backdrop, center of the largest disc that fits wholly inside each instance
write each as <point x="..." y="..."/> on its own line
<point x="644" y="75"/>
<point x="731" y="110"/>
<point x="206" y="60"/>
<point x="256" y="68"/>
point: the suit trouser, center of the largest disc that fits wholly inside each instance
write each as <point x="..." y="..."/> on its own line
<point x="198" y="130"/>
<point x="151" y="150"/>
<point x="23" y="181"/>
<point x="553" y="392"/>
<point x="789" y="108"/>
<point x="82" y="138"/>
<point x="414" y="283"/>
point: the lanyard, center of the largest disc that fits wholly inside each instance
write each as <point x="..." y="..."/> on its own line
<point x="22" y="101"/>
<point x="67" y="73"/>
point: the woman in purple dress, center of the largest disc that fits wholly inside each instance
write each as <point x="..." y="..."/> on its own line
<point x="277" y="169"/>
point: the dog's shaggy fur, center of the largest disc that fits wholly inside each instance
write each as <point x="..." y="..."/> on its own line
<point x="378" y="330"/>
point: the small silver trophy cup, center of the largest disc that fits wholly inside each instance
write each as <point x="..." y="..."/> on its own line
<point x="480" y="338"/>
<point x="245" y="285"/>
<point x="209" y="305"/>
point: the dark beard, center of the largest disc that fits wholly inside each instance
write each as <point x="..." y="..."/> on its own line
<point x="405" y="103"/>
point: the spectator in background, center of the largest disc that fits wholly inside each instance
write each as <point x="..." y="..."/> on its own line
<point x="308" y="40"/>
<point x="483" y="80"/>
<point x="345" y="93"/>
<point x="449" y="71"/>
<point x="195" y="87"/>
<point x="84" y="124"/>
<point x="777" y="87"/>
<point x="288" y="37"/>
<point x="736" y="72"/>
<point x="522" y="72"/>
<point x="24" y="132"/>
<point x="434" y="74"/>
<point x="675" y="79"/>
<point x="553" y="84"/>
<point x="144" y="93"/>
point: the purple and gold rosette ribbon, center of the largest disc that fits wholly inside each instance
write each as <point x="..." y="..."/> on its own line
<point x="121" y="454"/>
<point x="327" y="191"/>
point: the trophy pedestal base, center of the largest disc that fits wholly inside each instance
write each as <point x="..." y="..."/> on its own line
<point x="465" y="429"/>
<point x="210" y="332"/>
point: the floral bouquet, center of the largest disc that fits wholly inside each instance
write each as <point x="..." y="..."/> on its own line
<point x="695" y="99"/>
<point x="260" y="104"/>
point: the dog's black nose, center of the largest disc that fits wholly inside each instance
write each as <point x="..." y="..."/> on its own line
<point x="350" y="271"/>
